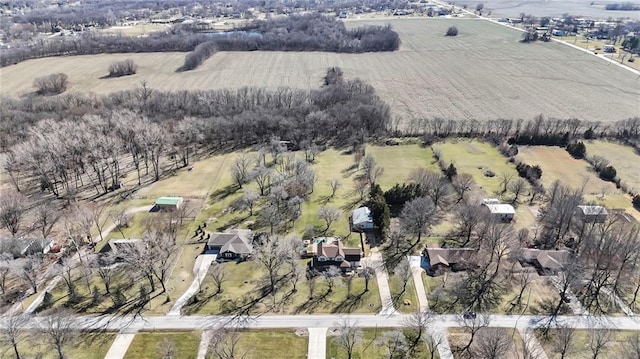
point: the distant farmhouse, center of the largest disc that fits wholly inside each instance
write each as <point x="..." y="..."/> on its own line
<point x="168" y="203"/>
<point x="592" y="214"/>
<point x="361" y="220"/>
<point x="330" y="252"/>
<point x="499" y="211"/>
<point x="235" y="244"/>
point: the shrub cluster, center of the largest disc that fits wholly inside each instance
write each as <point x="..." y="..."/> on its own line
<point x="398" y="195"/>
<point x="541" y="139"/>
<point x="636" y="202"/>
<point x="199" y="55"/>
<point x="53" y="84"/>
<point x="123" y="68"/>
<point x="531" y="173"/>
<point x="608" y="173"/>
<point x="577" y="149"/>
<point x="452" y="31"/>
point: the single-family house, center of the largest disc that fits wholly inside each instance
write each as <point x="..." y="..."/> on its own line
<point x="119" y="247"/>
<point x="545" y="261"/>
<point x="237" y="243"/>
<point x="361" y="220"/>
<point x="35" y="246"/>
<point x="333" y="253"/>
<point x="168" y="203"/>
<point x="592" y="214"/>
<point x="499" y="211"/>
<point x="438" y="260"/>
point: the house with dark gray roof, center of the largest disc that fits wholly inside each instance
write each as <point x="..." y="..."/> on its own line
<point x="545" y="261"/>
<point x="235" y="244"/>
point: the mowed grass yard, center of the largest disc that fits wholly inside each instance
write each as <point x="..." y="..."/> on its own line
<point x="145" y="345"/>
<point x="369" y="346"/>
<point x="266" y="344"/>
<point x="83" y="345"/>
<point x="557" y="164"/>
<point x="484" y="73"/>
<point x="476" y="158"/>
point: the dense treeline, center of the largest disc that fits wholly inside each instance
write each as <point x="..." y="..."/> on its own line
<point x="94" y="133"/>
<point x="292" y="33"/>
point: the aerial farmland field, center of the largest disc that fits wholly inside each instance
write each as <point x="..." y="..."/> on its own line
<point x="483" y="73"/>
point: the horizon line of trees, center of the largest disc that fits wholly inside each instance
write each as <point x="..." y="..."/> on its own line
<point x="313" y="32"/>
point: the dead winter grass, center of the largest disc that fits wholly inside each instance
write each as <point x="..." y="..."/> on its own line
<point x="623" y="158"/>
<point x="459" y="338"/>
<point x="483" y="73"/>
<point x="616" y="347"/>
<point x="557" y="164"/>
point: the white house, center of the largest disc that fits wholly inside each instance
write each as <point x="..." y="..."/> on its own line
<point x="361" y="220"/>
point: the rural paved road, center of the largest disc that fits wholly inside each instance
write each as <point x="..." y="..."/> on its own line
<point x="201" y="267"/>
<point x="130" y="324"/>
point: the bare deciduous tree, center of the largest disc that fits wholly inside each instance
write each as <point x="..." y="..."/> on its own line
<point x="348" y="337"/>
<point x="564" y="341"/>
<point x="462" y="184"/>
<point x="368" y="274"/>
<point x="517" y="187"/>
<point x="225" y="344"/>
<point x="598" y="341"/>
<point x="404" y="273"/>
<point x="492" y="343"/>
<point x="472" y="325"/>
<point x="335" y="184"/>
<point x="45" y="216"/>
<point x="58" y="330"/>
<point x="13" y="208"/>
<point x="31" y="271"/>
<point x="329" y="215"/>
<point x="219" y="276"/>
<point x="273" y="254"/>
<point x="417" y="216"/>
<point x="241" y="169"/>
<point x="12" y="332"/>
<point x="166" y="349"/>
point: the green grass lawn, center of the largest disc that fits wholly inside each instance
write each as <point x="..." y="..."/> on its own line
<point x="409" y="296"/>
<point x="268" y="344"/>
<point x="139" y="221"/>
<point x="145" y="345"/>
<point x="245" y="280"/>
<point x="368" y="347"/>
<point x="399" y="161"/>
<point x="84" y="345"/>
<point x="475" y="158"/>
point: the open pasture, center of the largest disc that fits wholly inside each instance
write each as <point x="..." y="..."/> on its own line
<point x="557" y="164"/>
<point x="483" y="73"/>
<point x="625" y="160"/>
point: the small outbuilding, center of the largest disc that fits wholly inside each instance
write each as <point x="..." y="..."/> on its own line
<point x="592" y="214"/>
<point x="499" y="211"/>
<point x="168" y="203"/>
<point x="361" y="220"/>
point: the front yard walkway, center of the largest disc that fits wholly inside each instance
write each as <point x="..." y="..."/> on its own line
<point x="200" y="269"/>
<point x="416" y="270"/>
<point x="532" y="345"/>
<point x="317" y="343"/>
<point x="120" y="346"/>
<point x="375" y="261"/>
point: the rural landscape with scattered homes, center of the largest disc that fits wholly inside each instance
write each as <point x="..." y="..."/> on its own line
<point x="307" y="180"/>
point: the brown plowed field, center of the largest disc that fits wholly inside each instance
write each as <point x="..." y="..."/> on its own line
<point x="484" y="73"/>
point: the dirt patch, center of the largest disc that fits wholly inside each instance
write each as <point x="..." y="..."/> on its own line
<point x="471" y="148"/>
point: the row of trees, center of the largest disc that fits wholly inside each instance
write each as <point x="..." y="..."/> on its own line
<point x="313" y="32"/>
